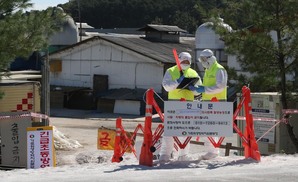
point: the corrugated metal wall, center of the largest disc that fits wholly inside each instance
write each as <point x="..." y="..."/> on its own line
<point x="125" y="68"/>
<point x="20" y="97"/>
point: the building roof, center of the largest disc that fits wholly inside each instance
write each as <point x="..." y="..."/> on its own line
<point x="134" y="31"/>
<point x="159" y="51"/>
<point x="21" y="75"/>
<point x="162" y="28"/>
<point x="123" y="94"/>
<point x="84" y="25"/>
<point x="16" y="82"/>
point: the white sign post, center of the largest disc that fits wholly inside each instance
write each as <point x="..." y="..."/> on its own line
<point x="198" y="118"/>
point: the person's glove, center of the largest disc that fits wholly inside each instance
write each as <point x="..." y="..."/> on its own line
<point x="179" y="80"/>
<point x="199" y="89"/>
<point x="192" y="88"/>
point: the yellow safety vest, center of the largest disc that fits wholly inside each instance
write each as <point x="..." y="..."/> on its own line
<point x="210" y="80"/>
<point x="177" y="94"/>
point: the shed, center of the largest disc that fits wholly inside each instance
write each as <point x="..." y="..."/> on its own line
<point x="166" y="33"/>
<point x="122" y="61"/>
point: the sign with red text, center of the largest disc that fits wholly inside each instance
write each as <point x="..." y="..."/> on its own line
<point x="106" y="140"/>
<point x="198" y="118"/>
<point x="40" y="147"/>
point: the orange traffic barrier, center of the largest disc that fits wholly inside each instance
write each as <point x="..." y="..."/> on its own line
<point x="120" y="147"/>
<point x="251" y="148"/>
<point x="146" y="156"/>
<point x="117" y="157"/>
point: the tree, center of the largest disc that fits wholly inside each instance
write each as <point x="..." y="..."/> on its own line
<point x="266" y="43"/>
<point x="122" y="14"/>
<point x="24" y="32"/>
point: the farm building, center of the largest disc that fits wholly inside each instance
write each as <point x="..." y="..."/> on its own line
<point x="113" y="71"/>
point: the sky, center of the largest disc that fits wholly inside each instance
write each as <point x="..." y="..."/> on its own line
<point x="43" y="4"/>
<point x="81" y="161"/>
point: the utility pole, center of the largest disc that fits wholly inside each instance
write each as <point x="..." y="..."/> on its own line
<point x="79" y="10"/>
<point x="45" y="88"/>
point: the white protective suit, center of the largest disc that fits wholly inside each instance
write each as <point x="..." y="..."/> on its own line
<point x="167" y="146"/>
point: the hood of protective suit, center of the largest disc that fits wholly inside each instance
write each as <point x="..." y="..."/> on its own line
<point x="207" y="59"/>
<point x="184" y="56"/>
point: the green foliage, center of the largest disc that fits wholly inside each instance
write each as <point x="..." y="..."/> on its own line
<point x="186" y="14"/>
<point x="253" y="20"/>
<point x="267" y="43"/>
<point x="25" y="32"/>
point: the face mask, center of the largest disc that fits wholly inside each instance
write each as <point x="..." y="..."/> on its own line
<point x="205" y="64"/>
<point x="184" y="66"/>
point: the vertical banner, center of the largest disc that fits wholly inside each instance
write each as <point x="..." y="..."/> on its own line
<point x="40" y="147"/>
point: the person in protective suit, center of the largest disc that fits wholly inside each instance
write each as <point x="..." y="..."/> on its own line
<point x="214" y="85"/>
<point x="171" y="80"/>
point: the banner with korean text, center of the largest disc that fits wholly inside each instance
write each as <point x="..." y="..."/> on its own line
<point x="198" y="118"/>
<point x="40" y="147"/>
<point x="106" y="139"/>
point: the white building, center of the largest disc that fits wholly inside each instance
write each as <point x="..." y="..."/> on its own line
<point x="206" y="38"/>
<point x="130" y="64"/>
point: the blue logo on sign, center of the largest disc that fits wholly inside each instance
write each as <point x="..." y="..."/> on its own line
<point x="210" y="106"/>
